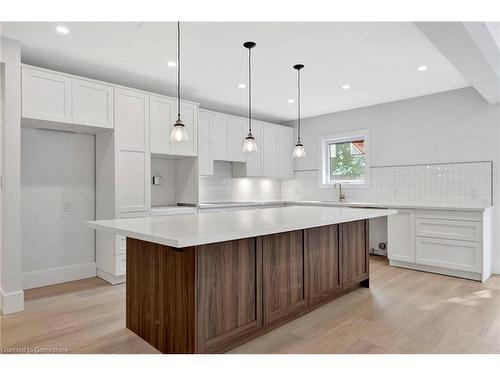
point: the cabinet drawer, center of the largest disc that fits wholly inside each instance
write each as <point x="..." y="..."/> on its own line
<point x="450" y="229"/>
<point x="121" y="245"/>
<point x="457" y="255"/>
<point x="120" y="265"/>
<point x="449" y="215"/>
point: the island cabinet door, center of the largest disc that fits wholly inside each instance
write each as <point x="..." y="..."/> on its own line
<point x="229" y="294"/>
<point x="322" y="251"/>
<point x="283" y="275"/>
<point x="354" y="252"/>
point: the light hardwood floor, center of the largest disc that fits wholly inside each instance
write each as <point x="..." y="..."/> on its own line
<point x="403" y="312"/>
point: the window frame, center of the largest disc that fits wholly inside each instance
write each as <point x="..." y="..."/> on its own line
<point x="324" y="162"/>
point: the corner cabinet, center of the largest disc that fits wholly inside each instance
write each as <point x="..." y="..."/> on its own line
<point x="163" y="114"/>
<point x="60" y="101"/>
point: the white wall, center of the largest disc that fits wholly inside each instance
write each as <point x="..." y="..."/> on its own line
<point x="447" y="127"/>
<point x="57" y="197"/>
<point x="164" y="194"/>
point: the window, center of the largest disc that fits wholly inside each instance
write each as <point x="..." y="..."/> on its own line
<point x="344" y="159"/>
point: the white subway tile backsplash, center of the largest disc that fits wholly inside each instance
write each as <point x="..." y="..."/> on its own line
<point x="457" y="184"/>
<point x="223" y="187"/>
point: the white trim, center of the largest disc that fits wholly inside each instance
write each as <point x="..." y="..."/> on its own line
<point x="58" y="275"/>
<point x="349" y="136"/>
<point x="113" y="280"/>
<point x="11" y="303"/>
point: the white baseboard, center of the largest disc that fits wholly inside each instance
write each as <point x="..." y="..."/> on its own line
<point x="11" y="303"/>
<point x="112" y="279"/>
<point x="52" y="276"/>
<point x="443" y="271"/>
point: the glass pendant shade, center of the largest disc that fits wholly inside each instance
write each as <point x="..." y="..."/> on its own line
<point x="249" y="144"/>
<point x="179" y="133"/>
<point x="299" y="151"/>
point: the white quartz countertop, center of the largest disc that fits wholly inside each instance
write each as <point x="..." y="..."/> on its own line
<point x="209" y="227"/>
<point x="409" y="205"/>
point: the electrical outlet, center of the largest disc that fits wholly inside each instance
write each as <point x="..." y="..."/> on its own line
<point x="67" y="206"/>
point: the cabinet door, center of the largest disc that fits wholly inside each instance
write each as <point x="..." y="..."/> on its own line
<point x="452" y="254"/>
<point x="162" y="112"/>
<point x="285" y="149"/>
<point x="354" y="252"/>
<point x="269" y="151"/>
<point x="46" y="96"/>
<point x="235" y="134"/>
<point x="284" y="292"/>
<point x="254" y="159"/>
<point x="219" y="137"/>
<point x="92" y="103"/>
<point x="229" y="282"/>
<point x="322" y="250"/>
<point x="401" y="236"/>
<point x="133" y="158"/>
<point x="205" y="161"/>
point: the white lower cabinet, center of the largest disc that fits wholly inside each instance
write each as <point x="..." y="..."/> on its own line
<point x="456" y="243"/>
<point x="401" y="236"/>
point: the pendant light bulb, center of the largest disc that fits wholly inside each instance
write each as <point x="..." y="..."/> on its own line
<point x="249" y="144"/>
<point x="179" y="133"/>
<point x="299" y="150"/>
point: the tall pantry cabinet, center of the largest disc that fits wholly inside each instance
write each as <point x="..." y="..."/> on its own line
<point x="123" y="173"/>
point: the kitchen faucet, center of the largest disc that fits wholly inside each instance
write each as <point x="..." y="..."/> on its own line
<point x="341" y="195"/>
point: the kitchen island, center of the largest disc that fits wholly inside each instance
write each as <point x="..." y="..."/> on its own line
<point x="208" y="282"/>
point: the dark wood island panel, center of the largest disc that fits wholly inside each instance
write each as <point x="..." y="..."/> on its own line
<point x="212" y="298"/>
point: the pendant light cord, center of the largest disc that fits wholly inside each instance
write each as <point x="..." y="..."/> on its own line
<point x="250" y="90"/>
<point x="298" y="106"/>
<point x="178" y="69"/>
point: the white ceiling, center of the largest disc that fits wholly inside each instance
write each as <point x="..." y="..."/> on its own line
<point x="378" y="61"/>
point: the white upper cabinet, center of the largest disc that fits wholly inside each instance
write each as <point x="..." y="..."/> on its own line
<point x="284" y="151"/>
<point x="254" y="159"/>
<point x="92" y="103"/>
<point x="60" y="98"/>
<point x="162" y="111"/>
<point x="132" y="119"/>
<point x="236" y="127"/>
<point x="133" y="172"/>
<point x="205" y="160"/>
<point x="219" y="136"/>
<point x="46" y="95"/>
<point x="163" y="114"/>
<point x="269" y="151"/>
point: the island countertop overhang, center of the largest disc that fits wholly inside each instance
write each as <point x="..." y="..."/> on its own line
<point x="210" y="227"/>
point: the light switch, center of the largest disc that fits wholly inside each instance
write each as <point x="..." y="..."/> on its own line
<point x="157" y="180"/>
<point x="67" y="206"/>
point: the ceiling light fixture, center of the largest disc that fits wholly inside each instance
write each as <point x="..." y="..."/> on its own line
<point x="422" y="68"/>
<point x="171" y="64"/>
<point x="249" y="144"/>
<point x="291" y="101"/>
<point x="179" y="133"/>
<point x="62" y="29"/>
<point x="298" y="151"/>
<point x="346" y="87"/>
<point x="241" y="85"/>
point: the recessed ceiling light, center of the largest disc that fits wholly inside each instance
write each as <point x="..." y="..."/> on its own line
<point x="346" y="87"/>
<point x="62" y="29"/>
<point x="291" y="101"/>
<point x="171" y="64"/>
<point x="241" y="85"/>
<point x="422" y="68"/>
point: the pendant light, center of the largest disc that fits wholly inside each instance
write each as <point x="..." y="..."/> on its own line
<point x="298" y="151"/>
<point x="249" y="144"/>
<point x="179" y="133"/>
